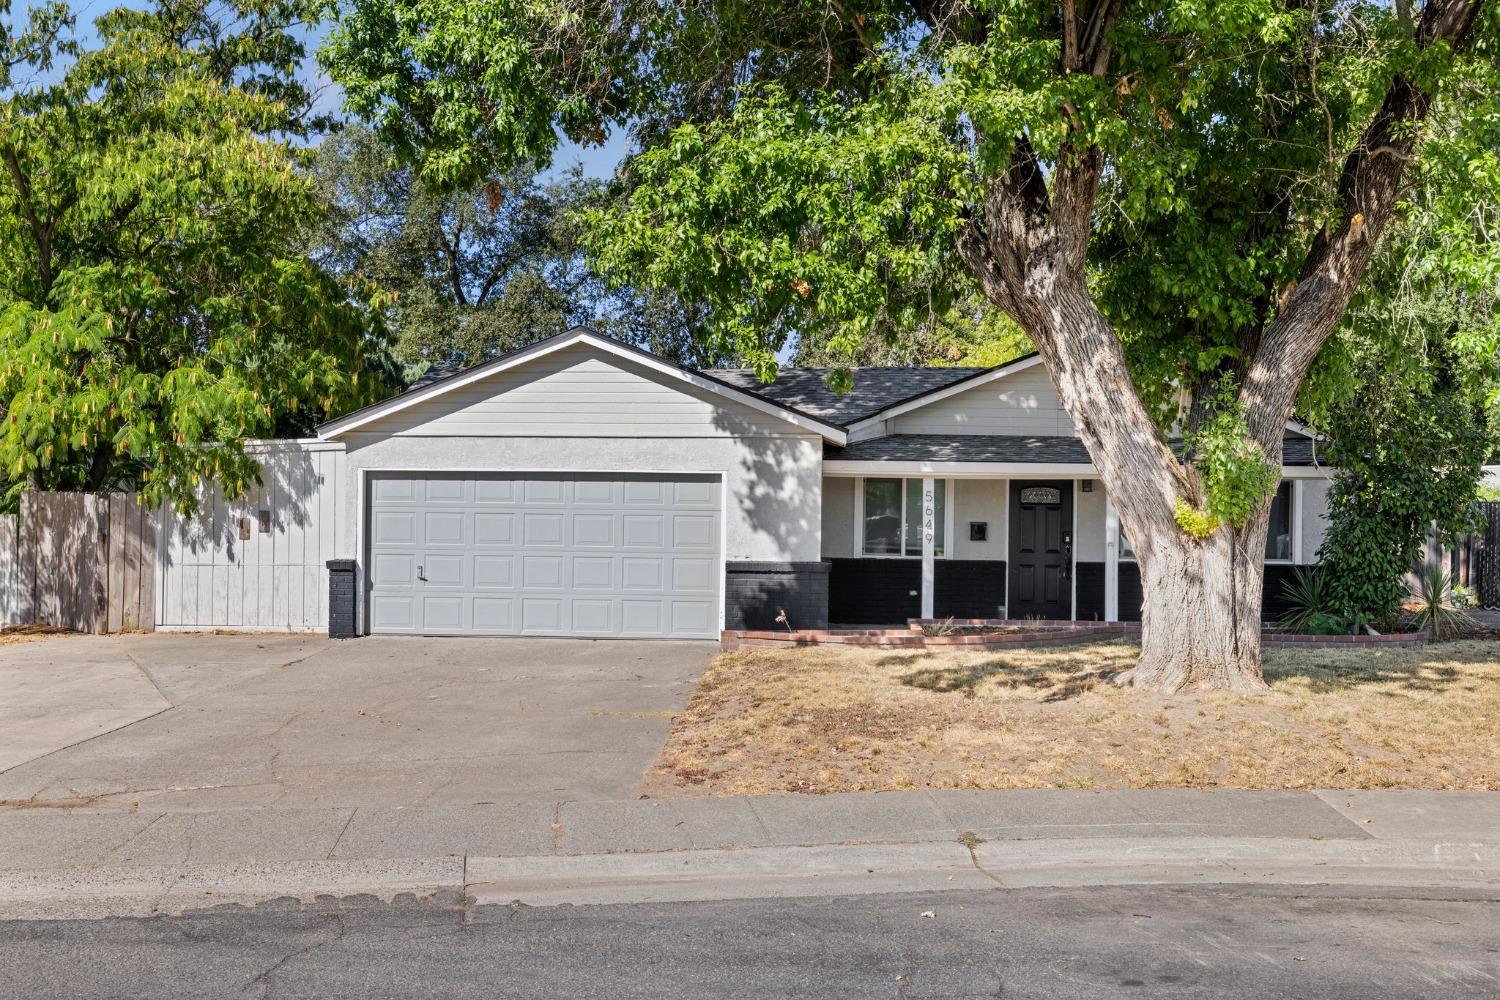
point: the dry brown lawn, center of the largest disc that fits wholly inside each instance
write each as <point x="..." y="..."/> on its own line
<point x="829" y="720"/>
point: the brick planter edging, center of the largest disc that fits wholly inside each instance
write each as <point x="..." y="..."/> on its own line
<point x="1032" y="634"/>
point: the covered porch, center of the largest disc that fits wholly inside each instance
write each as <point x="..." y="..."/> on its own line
<point x="982" y="526"/>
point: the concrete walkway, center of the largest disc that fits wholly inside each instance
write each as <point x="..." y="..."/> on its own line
<point x="79" y="862"/>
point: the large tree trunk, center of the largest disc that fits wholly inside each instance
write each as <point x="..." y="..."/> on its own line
<point x="1200" y="621"/>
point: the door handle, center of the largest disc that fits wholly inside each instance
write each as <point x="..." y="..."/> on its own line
<point x="421" y="575"/>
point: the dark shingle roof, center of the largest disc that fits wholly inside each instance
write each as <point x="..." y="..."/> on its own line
<point x="1297" y="450"/>
<point x="874" y="388"/>
<point x="963" y="448"/>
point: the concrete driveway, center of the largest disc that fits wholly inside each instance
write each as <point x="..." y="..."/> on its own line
<point x="209" y="722"/>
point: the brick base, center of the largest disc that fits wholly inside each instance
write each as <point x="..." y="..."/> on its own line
<point x="341" y="599"/>
<point x="756" y="592"/>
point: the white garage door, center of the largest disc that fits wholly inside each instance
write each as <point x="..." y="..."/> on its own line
<point x="540" y="554"/>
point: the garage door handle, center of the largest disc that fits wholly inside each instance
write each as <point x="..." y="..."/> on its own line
<point x="420" y="574"/>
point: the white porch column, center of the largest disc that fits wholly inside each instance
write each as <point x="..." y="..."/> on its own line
<point x="1111" y="561"/>
<point x="929" y="544"/>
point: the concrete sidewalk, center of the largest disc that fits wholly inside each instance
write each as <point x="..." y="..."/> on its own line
<point x="56" y="862"/>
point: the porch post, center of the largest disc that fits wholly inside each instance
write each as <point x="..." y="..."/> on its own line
<point x="929" y="536"/>
<point x="1111" y="561"/>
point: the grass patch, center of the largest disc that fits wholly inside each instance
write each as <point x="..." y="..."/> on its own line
<point x="829" y="719"/>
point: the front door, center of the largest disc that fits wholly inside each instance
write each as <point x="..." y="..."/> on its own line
<point x="1041" y="549"/>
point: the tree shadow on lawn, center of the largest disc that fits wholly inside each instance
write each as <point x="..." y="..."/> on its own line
<point x="1433" y="669"/>
<point x="1056" y="679"/>
<point x="1059" y="677"/>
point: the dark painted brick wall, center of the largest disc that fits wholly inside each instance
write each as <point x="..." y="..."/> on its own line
<point x="1090" y="580"/>
<point x="1273" y="603"/>
<point x="967" y="588"/>
<point x="755" y="592"/>
<point x="874" y="591"/>
<point x="341" y="598"/>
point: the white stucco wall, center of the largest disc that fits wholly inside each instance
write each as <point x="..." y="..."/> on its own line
<point x="980" y="500"/>
<point x="1314" y="515"/>
<point x="1088" y="543"/>
<point x="839" y="539"/>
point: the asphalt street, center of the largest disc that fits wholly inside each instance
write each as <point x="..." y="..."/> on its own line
<point x="1139" y="941"/>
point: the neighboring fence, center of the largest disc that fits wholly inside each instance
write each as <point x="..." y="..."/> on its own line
<point x="82" y="561"/>
<point x="1483" y="556"/>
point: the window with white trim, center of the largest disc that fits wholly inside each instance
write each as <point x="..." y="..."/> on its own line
<point x="1278" y="535"/>
<point x="891" y="517"/>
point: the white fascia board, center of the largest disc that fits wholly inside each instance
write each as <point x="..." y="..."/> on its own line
<point x="256" y="446"/>
<point x="343" y="425"/>
<point x="956" y="470"/>
<point x="962" y="385"/>
<point x="1005" y="470"/>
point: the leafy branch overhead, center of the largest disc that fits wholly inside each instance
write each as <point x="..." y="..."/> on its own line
<point x="156" y="302"/>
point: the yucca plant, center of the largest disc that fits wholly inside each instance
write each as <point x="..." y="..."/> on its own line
<point x="1431" y="604"/>
<point x="1309" y="598"/>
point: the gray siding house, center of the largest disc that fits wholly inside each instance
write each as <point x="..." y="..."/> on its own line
<point x="582" y="487"/>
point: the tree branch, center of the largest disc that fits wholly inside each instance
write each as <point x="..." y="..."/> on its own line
<point x="1336" y="261"/>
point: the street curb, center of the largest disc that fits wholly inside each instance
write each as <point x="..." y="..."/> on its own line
<point x="95" y="892"/>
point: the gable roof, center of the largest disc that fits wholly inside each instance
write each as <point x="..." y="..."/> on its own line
<point x="875" y="389"/>
<point x="446" y="381"/>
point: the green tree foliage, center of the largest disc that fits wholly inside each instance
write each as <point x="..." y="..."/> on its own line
<point x="971" y="334"/>
<point x="484" y="268"/>
<point x="807" y="172"/>
<point x="156" y="305"/>
<point x="1408" y="389"/>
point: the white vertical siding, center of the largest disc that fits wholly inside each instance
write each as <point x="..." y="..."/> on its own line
<point x="10" y="571"/>
<point x="209" y="577"/>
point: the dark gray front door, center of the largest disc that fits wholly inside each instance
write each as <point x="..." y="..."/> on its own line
<point x="1041" y="549"/>
<point x="545" y="554"/>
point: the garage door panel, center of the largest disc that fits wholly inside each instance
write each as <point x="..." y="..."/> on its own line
<point x="593" y="615"/>
<point x="641" y="573"/>
<point x="544" y="529"/>
<point x="594" y="530"/>
<point x="494" y="529"/>
<point x="393" y="569"/>
<point x="594" y="573"/>
<point x="443" y="527"/>
<point x="445" y="571"/>
<point x="546" y="491"/>
<point x="392" y="613"/>
<point x="642" y="617"/>
<point x="443" y="613"/>
<point x="494" y="614"/>
<point x="495" y="491"/>
<point x="643" y="531"/>
<point x="542" y="572"/>
<point x="542" y="614"/>
<point x="694" y="532"/>
<point x="394" y="527"/>
<point x="692" y="616"/>
<point x="446" y="491"/>
<point x="694" y="575"/>
<point x="494" y="572"/>
<point x="596" y="492"/>
<point x="543" y="554"/>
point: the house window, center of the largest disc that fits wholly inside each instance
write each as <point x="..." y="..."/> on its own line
<point x="891" y="524"/>
<point x="1278" y="535"/>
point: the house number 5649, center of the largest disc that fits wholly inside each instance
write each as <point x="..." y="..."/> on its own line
<point x="929" y="509"/>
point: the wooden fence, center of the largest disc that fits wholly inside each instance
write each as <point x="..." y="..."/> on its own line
<point x="81" y="561"/>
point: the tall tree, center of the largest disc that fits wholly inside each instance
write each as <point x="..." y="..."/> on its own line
<point x="484" y="268"/>
<point x="156" y="306"/>
<point x="971" y="334"/>
<point x="1173" y="199"/>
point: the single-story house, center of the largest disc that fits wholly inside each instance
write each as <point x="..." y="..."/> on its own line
<point x="583" y="487"/>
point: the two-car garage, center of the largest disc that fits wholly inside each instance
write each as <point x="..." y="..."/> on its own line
<point x="607" y="554"/>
